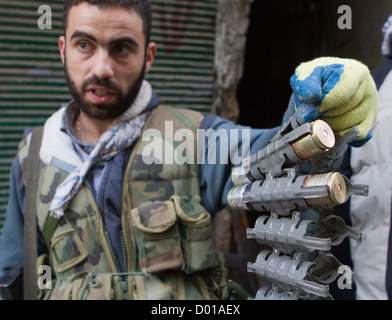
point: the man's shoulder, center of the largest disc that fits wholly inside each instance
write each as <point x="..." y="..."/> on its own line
<point x="24" y="144"/>
<point x="179" y="109"/>
<point x="24" y="147"/>
<point x="185" y="116"/>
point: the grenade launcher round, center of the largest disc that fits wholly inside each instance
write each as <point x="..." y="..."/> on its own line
<point x="285" y="150"/>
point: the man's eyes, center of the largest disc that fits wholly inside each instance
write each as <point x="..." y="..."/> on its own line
<point x="84" y="45"/>
<point x="118" y="49"/>
<point x="121" y="49"/>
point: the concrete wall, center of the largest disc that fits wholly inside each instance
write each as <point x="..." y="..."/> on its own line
<point x="232" y="23"/>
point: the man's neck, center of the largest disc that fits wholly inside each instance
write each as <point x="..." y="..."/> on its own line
<point x="90" y="130"/>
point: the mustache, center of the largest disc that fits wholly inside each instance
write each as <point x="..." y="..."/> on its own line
<point x="105" y="83"/>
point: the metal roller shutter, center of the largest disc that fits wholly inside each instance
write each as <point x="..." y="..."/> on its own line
<point x="32" y="84"/>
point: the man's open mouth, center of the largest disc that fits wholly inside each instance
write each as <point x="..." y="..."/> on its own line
<point x="100" y="95"/>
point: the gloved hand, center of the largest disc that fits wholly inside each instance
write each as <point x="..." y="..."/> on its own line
<point x="339" y="91"/>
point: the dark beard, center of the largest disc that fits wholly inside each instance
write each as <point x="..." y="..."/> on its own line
<point x="108" y="110"/>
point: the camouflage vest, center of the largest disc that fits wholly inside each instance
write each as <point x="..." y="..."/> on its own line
<point x="166" y="233"/>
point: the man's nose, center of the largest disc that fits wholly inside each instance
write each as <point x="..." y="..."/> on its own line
<point x="102" y="67"/>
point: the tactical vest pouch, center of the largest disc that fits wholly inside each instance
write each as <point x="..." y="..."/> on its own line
<point x="174" y="235"/>
<point x="196" y="233"/>
<point x="157" y="237"/>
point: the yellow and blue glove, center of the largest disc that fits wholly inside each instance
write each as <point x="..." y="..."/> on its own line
<point x="340" y="91"/>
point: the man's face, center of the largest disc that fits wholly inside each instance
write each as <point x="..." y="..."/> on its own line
<point x="105" y="58"/>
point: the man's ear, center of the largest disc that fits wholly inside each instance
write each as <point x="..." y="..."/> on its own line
<point x="62" y="48"/>
<point x="150" y="55"/>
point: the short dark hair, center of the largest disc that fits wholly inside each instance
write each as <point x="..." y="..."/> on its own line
<point x="142" y="7"/>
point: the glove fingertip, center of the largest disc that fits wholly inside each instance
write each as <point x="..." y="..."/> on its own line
<point x="308" y="91"/>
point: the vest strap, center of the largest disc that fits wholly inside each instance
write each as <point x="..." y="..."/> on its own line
<point x="30" y="289"/>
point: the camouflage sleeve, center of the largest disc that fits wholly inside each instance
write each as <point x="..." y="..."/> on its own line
<point x="225" y="145"/>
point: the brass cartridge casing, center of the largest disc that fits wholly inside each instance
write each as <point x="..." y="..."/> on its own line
<point x="336" y="189"/>
<point x="322" y="139"/>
